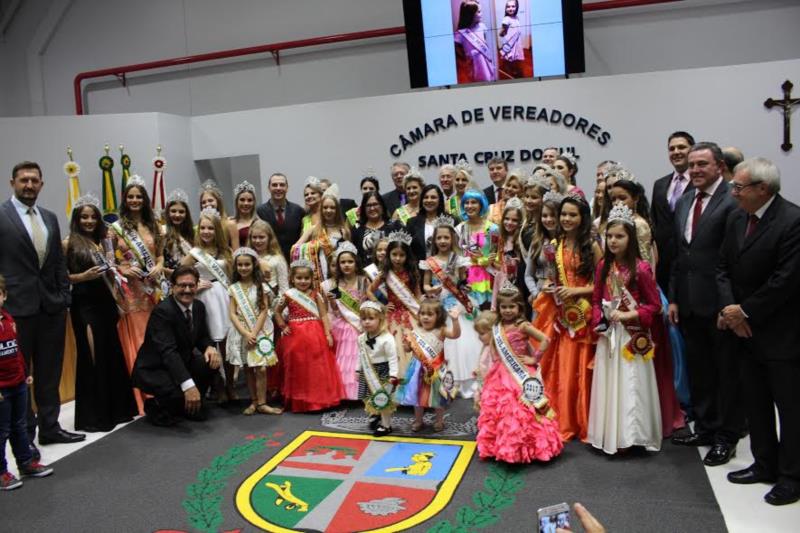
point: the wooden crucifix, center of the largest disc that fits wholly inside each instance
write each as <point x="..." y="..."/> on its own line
<point x="786" y="104"/>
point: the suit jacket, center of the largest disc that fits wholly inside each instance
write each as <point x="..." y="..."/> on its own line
<point x="289" y="233"/>
<point x="32" y="289"/>
<point x="760" y="273"/>
<point x="392" y="201"/>
<point x="416" y="228"/>
<point x="664" y="228"/>
<point x="489" y="192"/>
<point x="346" y="204"/>
<point x="692" y="282"/>
<point x="163" y="361"/>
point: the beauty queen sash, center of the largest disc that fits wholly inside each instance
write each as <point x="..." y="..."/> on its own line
<point x="427" y="356"/>
<point x="116" y="282"/>
<point x="477" y="42"/>
<point x="211" y="264"/>
<point x="303" y="301"/>
<point x="379" y="399"/>
<point x="264" y="345"/>
<point x="348" y="306"/>
<point x="142" y="255"/>
<point x="447" y="283"/>
<point x="403" y="293"/>
<point x="574" y="311"/>
<point x="641" y="343"/>
<point x="531" y="387"/>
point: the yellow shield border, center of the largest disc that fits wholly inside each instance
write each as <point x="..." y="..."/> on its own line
<point x="443" y="495"/>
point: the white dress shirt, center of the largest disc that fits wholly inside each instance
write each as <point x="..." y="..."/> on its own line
<point x="710" y="190"/>
<point x="22" y="211"/>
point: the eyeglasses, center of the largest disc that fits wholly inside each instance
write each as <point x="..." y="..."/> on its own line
<point x="185" y="285"/>
<point x="738" y="187"/>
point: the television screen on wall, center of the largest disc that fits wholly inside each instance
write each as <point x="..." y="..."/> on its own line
<point x="454" y="42"/>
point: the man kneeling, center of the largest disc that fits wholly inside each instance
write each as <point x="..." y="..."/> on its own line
<point x="177" y="359"/>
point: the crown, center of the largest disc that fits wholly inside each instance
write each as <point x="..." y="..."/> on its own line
<point x="345" y="246"/>
<point x="211" y="186"/>
<point x="210" y="212"/>
<point x="444" y="221"/>
<point x="622" y="213"/>
<point x="413" y="172"/>
<point x="552" y="196"/>
<point x="87" y="199"/>
<point x="369" y="304"/>
<point x="575" y="196"/>
<point x="508" y="289"/>
<point x="463" y="164"/>
<point x="514" y="203"/>
<point x="244" y="186"/>
<point x="244" y="250"/>
<point x="178" y="195"/>
<point x="136" y="180"/>
<point x="301" y="263"/>
<point x="399" y="236"/>
<point x="332" y="192"/>
<point x="312" y="181"/>
<point x="569" y="156"/>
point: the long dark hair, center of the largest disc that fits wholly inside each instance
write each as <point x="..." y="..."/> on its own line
<point x="410" y="265"/>
<point x="148" y="218"/>
<point x="362" y="209"/>
<point x="466" y="13"/>
<point x="338" y="271"/>
<point x="636" y="191"/>
<point x="632" y="255"/>
<point x="79" y="246"/>
<point x="185" y="230"/>
<point x="540" y="236"/>
<point x="258" y="279"/>
<point x="439" y="206"/>
<point x="584" y="235"/>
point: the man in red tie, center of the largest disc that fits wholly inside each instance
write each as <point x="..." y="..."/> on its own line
<point x="700" y="218"/>
<point x="285" y="217"/>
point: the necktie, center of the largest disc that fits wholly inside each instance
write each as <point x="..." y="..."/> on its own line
<point x="279" y="216"/>
<point x="677" y="191"/>
<point x="37" y="235"/>
<point x="189" y="322"/>
<point x="698" y="210"/>
<point x="752" y="222"/>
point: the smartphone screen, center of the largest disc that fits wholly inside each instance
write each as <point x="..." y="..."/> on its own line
<point x="553" y="517"/>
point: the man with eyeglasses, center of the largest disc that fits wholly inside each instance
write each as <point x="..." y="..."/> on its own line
<point x="700" y="217"/>
<point x="176" y="361"/>
<point x="759" y="290"/>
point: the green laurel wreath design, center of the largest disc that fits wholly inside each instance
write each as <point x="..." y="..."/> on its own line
<point x="205" y="495"/>
<point x="501" y="486"/>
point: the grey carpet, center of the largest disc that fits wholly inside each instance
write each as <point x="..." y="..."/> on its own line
<point x="136" y="479"/>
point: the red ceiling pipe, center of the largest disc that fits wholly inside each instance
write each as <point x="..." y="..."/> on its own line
<point x="287" y="45"/>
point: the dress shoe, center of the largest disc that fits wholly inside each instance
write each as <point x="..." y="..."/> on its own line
<point x="782" y="494"/>
<point x="750" y="475"/>
<point x="61" y="437"/>
<point x="693" y="439"/>
<point x="719" y="454"/>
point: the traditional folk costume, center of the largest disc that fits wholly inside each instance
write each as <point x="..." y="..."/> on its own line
<point x="375" y="364"/>
<point x="516" y="423"/>
<point x="345" y="328"/>
<point x="310" y="377"/>
<point x="484" y="242"/>
<point x="567" y="364"/>
<point x="238" y="353"/>
<point x="278" y="283"/>
<point x="624" y="409"/>
<point x="462" y="353"/>
<point x="427" y="382"/>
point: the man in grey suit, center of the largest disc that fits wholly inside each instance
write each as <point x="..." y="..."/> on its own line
<point x="700" y="218"/>
<point x="38" y="295"/>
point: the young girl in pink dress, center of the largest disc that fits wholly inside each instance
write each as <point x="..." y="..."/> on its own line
<point x="346" y="289"/>
<point x="310" y="376"/>
<point x="516" y="423"/>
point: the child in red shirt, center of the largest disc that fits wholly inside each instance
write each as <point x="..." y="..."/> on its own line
<point x="14" y="404"/>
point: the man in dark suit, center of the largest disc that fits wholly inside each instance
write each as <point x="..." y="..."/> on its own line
<point x="285" y="217"/>
<point x="759" y="290"/>
<point x="666" y="193"/>
<point x="33" y="264"/>
<point x="700" y="219"/>
<point x="177" y="357"/>
<point x="397" y="197"/>
<point x="498" y="170"/>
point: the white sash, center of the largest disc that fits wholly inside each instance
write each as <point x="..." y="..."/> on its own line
<point x="379" y="399"/>
<point x="264" y="345"/>
<point x="303" y="301"/>
<point x="447" y="387"/>
<point x="477" y="42"/>
<point x="371" y="271"/>
<point x="532" y="387"/>
<point x="212" y="265"/>
<point x="405" y="295"/>
<point x="139" y="249"/>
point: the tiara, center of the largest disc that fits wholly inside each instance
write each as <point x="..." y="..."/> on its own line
<point x="136" y="180"/>
<point x="210" y="212"/>
<point x="622" y="213"/>
<point x="312" y="181"/>
<point x="369" y="304"/>
<point x="399" y="236"/>
<point x="332" y="192"/>
<point x="345" y="246"/>
<point x="569" y="156"/>
<point x="301" y="263"/>
<point x="541" y="167"/>
<point x="413" y="172"/>
<point x="508" y="289"/>
<point x="369" y="173"/>
<point x="244" y="186"/>
<point x="87" y="199"/>
<point x="552" y="196"/>
<point x="463" y="164"/>
<point x="210" y="186"/>
<point x="537" y="180"/>
<point x="576" y="196"/>
<point x="244" y="250"/>
<point x="444" y="221"/>
<point x="178" y="195"/>
<point x="514" y="203"/>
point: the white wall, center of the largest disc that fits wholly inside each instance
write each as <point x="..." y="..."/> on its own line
<point x="103" y="33"/>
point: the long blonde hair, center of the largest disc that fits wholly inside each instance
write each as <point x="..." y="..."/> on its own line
<point x="220" y="238"/>
<point x="338" y="218"/>
<point x="273" y="247"/>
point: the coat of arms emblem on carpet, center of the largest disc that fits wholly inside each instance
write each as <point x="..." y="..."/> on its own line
<point x="336" y="482"/>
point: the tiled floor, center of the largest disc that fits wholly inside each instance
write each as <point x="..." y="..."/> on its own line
<point x="743" y="506"/>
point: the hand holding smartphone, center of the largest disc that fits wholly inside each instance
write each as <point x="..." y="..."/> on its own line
<point x="553" y="517"/>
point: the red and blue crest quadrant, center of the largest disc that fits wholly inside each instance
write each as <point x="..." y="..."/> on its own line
<point x="337" y="482"/>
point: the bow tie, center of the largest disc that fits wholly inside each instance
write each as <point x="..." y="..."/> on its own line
<point x="371" y="342"/>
